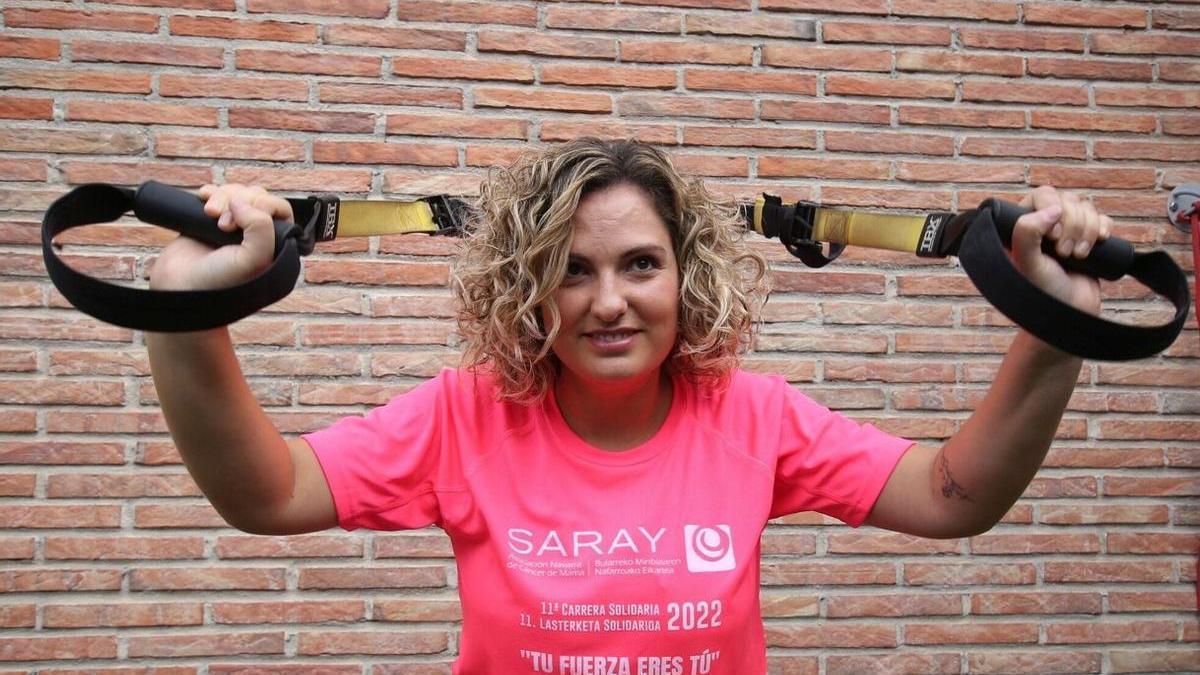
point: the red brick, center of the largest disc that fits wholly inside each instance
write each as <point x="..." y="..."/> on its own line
<point x="1034" y="662"/>
<point x="59" y="580"/>
<point x="1041" y="602"/>
<point x="945" y="62"/>
<point x="453" y="11"/>
<point x="1028" y="147"/>
<point x="888" y="87"/>
<point x="608" y="76"/>
<point x="44" y="648"/>
<point x="395" y="38"/>
<point x="239" y="29"/>
<point x="969" y="574"/>
<point x="1176" y="19"/>
<point x="1143" y="43"/>
<point x="462" y="68"/>
<point x="123" y="548"/>
<point x="144" y="52"/>
<point x="123" y="615"/>
<point x="1147" y="97"/>
<point x="664" y="51"/>
<point x="317" y="611"/>
<point x="1098" y="632"/>
<point x="615" y="19"/>
<point x="1092" y="121"/>
<point x="831" y="635"/>
<point x="961" y="172"/>
<point x="206" y="579"/>
<point x="239" y="87"/>
<point x="1090" y="572"/>
<point x="366" y="9"/>
<point x="812" y="167"/>
<point x="962" y="633"/>
<point x="845" y="6"/>
<point x="827" y="58"/>
<point x="565" y="130"/>
<point x="76" y="79"/>
<point x="388" y="643"/>
<point x="193" y="645"/>
<point x="671" y="105"/>
<point x="752" y="82"/>
<point x="183" y="175"/>
<point x="930" y="664"/>
<point x="229" y="147"/>
<point x="302" y="120"/>
<point x="891" y="33"/>
<point x="1152" y="660"/>
<point x="16" y="47"/>
<point x="543" y="99"/>
<point x="417" y="609"/>
<point x="14" y="108"/>
<point x="987" y="10"/>
<point x="962" y="116"/>
<point x="70" y="485"/>
<point x="311" y="63"/>
<point x="38" y="516"/>
<point x="365" y="152"/>
<point x="1045" y="94"/>
<point x="837" y="574"/>
<point x="1023" y="39"/>
<point x="1090" y="68"/>
<point x="764" y="25"/>
<point x="470" y="126"/>
<point x="545" y="44"/>
<point x="765" y="137"/>
<point x="308" y="180"/>
<point x="133" y="22"/>
<point x="1070" y="14"/>
<point x="822" y="111"/>
<point x="142" y="112"/>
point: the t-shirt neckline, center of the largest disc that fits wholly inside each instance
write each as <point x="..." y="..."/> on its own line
<point x="660" y="441"/>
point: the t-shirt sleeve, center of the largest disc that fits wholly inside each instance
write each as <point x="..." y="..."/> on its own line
<point x="382" y="467"/>
<point x="829" y="463"/>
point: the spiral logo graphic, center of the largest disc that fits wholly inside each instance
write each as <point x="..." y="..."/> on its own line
<point x="708" y="548"/>
<point x="710" y="543"/>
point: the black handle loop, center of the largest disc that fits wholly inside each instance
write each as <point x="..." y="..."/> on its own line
<point x="1109" y="258"/>
<point x="986" y="262"/>
<point x="152" y="310"/>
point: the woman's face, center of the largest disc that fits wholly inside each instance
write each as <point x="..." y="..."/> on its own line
<point x="619" y="301"/>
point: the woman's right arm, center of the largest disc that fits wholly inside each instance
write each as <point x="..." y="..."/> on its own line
<point x="258" y="481"/>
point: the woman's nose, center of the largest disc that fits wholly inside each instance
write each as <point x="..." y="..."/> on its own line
<point x="609" y="302"/>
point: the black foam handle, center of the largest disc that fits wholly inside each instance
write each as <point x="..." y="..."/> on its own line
<point x="179" y="210"/>
<point x="1109" y="258"/>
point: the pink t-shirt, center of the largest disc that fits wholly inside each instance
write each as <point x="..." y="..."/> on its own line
<point x="575" y="560"/>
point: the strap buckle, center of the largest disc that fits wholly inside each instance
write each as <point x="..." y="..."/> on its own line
<point x="450" y="214"/>
<point x="793" y="225"/>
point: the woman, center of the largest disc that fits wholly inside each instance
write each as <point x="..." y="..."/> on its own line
<point x="602" y="467"/>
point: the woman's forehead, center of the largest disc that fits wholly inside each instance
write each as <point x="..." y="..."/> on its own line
<point x="621" y="214"/>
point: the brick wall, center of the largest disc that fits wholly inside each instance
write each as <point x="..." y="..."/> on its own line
<point x="108" y="553"/>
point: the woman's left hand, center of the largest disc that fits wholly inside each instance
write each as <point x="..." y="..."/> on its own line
<point x="1075" y="226"/>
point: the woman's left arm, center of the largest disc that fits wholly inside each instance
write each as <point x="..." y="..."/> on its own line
<point x="967" y="485"/>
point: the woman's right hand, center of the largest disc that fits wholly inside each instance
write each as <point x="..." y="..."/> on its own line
<point x="186" y="264"/>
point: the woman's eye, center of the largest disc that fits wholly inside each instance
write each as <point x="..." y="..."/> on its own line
<point x="644" y="263"/>
<point x="574" y="269"/>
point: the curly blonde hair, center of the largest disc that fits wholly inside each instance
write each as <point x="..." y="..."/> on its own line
<point x="515" y="256"/>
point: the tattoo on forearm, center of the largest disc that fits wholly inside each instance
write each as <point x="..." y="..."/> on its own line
<point x="950" y="488"/>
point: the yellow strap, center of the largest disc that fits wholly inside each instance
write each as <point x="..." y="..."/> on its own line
<point x="859" y="228"/>
<point x="363" y="218"/>
<point x="872" y="230"/>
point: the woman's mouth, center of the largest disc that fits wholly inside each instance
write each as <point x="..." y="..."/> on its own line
<point x="610" y="340"/>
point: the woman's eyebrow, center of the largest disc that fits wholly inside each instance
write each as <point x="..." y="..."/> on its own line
<point x="645" y="249"/>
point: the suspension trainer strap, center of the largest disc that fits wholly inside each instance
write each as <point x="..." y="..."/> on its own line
<point x="979" y="237"/>
<point x="321" y="218"/>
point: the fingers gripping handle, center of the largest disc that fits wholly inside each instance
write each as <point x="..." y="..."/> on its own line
<point x="1109" y="258"/>
<point x="183" y="212"/>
